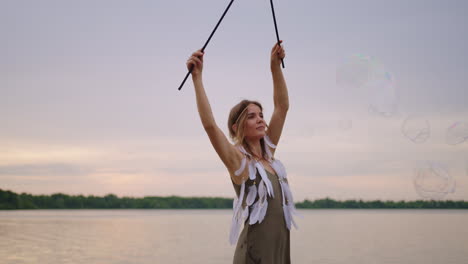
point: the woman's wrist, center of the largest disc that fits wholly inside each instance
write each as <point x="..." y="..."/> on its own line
<point x="275" y="67"/>
<point x="197" y="76"/>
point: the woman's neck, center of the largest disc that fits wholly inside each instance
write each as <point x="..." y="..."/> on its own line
<point x="255" y="148"/>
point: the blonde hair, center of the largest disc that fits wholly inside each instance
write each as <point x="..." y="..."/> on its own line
<point x="238" y="115"/>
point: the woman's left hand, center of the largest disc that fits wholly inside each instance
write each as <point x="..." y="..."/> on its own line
<point x="277" y="54"/>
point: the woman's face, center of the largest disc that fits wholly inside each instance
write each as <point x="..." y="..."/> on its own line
<point x="254" y="126"/>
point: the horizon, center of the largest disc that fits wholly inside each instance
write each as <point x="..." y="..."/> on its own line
<point x="377" y="96"/>
<point x="221" y="197"/>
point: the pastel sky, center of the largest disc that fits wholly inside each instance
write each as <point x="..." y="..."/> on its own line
<point x="89" y="99"/>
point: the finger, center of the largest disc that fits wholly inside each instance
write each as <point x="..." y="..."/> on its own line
<point x="198" y="53"/>
<point x="275" y="49"/>
<point x="189" y="62"/>
<point x="281" y="50"/>
<point x="191" y="59"/>
<point x="189" y="65"/>
<point x="197" y="61"/>
<point x="279" y="44"/>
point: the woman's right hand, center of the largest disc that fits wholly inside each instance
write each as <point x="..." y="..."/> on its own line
<point x="196" y="61"/>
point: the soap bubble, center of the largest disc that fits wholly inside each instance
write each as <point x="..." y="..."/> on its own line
<point x="355" y="71"/>
<point x="345" y="124"/>
<point x="383" y="95"/>
<point x="372" y="79"/>
<point x="416" y="129"/>
<point x="457" y="133"/>
<point x="433" y="181"/>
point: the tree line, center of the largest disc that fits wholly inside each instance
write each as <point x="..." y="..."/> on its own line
<point x="10" y="201"/>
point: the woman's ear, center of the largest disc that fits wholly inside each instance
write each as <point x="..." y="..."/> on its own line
<point x="234" y="128"/>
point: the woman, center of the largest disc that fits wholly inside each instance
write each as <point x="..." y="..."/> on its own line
<point x="264" y="201"/>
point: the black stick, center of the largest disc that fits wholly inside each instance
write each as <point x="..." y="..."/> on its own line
<point x="276" y="27"/>
<point x="206" y="43"/>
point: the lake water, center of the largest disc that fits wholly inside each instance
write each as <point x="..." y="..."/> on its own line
<point x="201" y="236"/>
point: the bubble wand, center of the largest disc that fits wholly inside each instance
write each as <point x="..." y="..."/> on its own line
<point x="206" y="43"/>
<point x="276" y="28"/>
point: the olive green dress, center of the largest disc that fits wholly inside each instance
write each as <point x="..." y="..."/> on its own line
<point x="266" y="242"/>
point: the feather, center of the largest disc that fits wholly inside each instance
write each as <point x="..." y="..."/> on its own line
<point x="287" y="216"/>
<point x="235" y="228"/>
<point x="287" y="193"/>
<point x="252" y="170"/>
<point x="268" y="141"/>
<point x="245" y="213"/>
<point x="254" y="214"/>
<point x="261" y="190"/>
<point x="257" y="207"/>
<point x="241" y="197"/>
<point x="262" y="203"/>
<point x="268" y="144"/>
<point x="252" y="194"/>
<point x="264" y="176"/>
<point x="236" y="218"/>
<point x="279" y="168"/>
<point x="262" y="211"/>
<point x="242" y="167"/>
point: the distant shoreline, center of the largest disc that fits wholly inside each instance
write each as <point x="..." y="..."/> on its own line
<point x="12" y="201"/>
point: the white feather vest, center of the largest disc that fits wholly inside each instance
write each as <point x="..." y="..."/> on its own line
<point x="261" y="190"/>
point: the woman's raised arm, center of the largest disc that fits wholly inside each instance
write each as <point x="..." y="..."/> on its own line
<point x="204" y="109"/>
<point x="230" y="156"/>
<point x="280" y="95"/>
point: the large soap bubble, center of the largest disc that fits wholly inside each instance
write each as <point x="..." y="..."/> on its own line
<point x="383" y="95"/>
<point x="433" y="181"/>
<point x="370" y="77"/>
<point x="355" y="71"/>
<point x="416" y="129"/>
<point x="457" y="133"/>
<point x="345" y="124"/>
